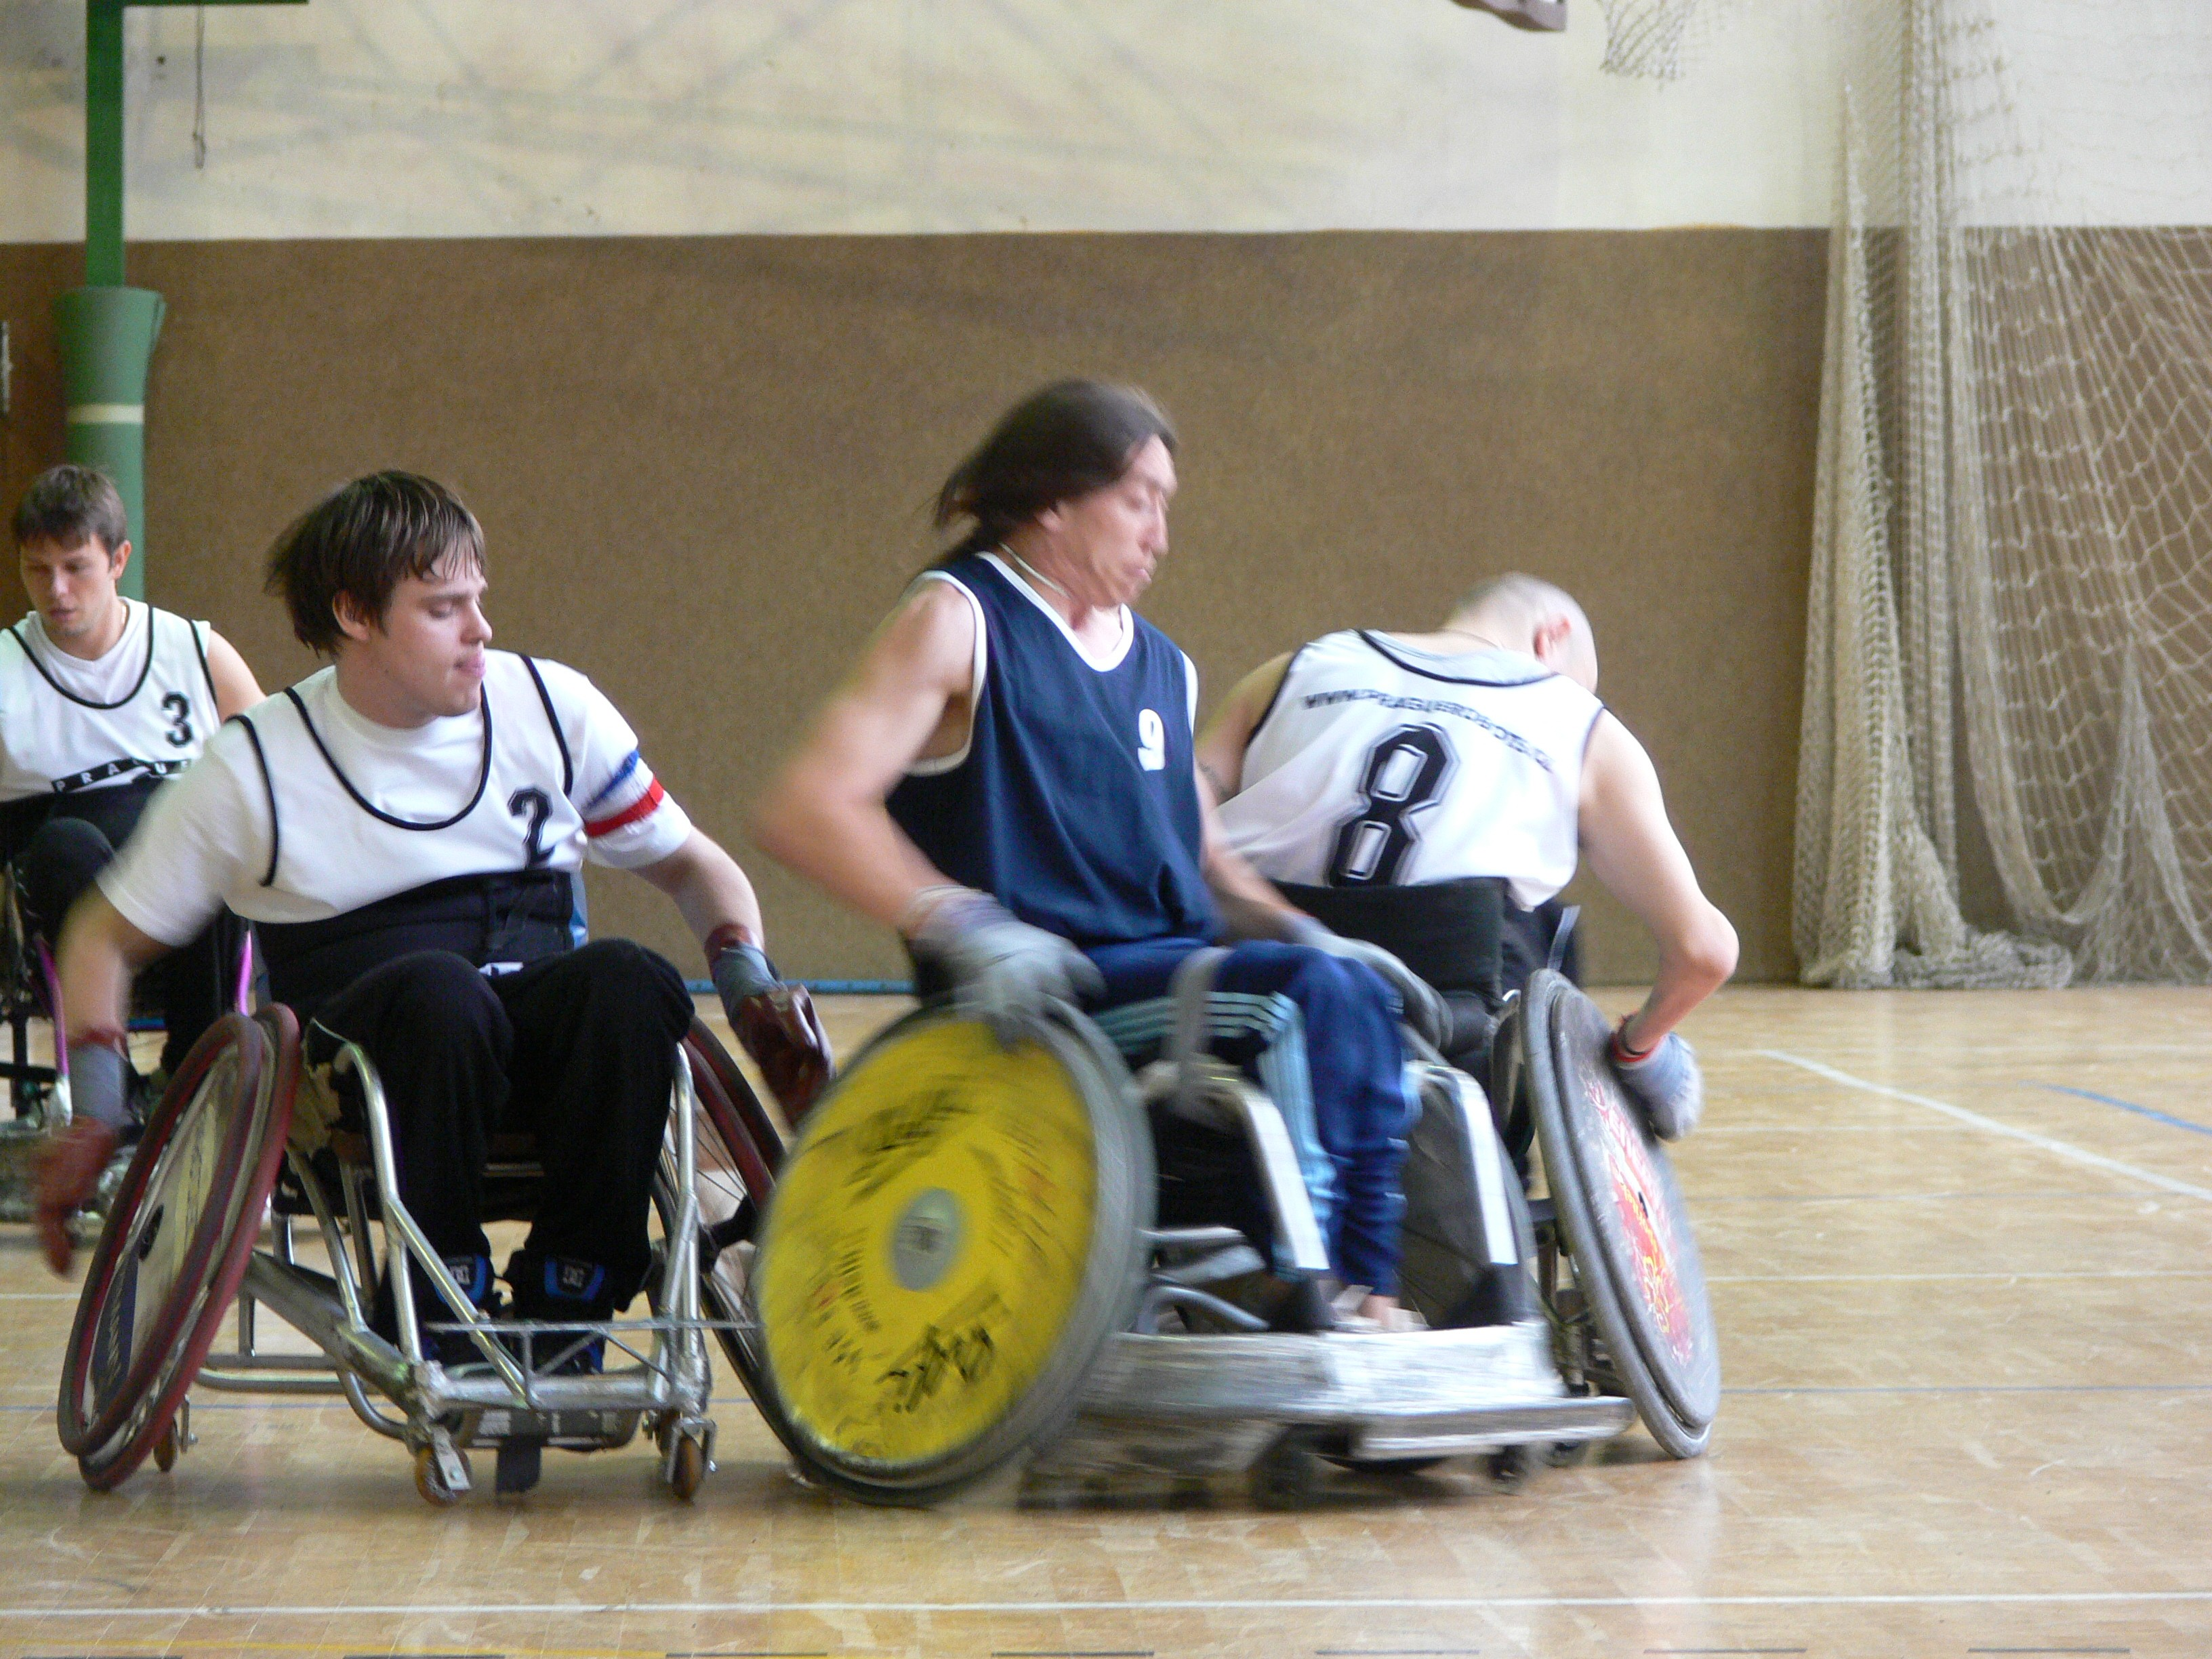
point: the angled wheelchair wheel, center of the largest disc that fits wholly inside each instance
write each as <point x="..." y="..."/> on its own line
<point x="1621" y="1215"/>
<point x="29" y="989"/>
<point x="950" y="1242"/>
<point x="738" y="1149"/>
<point x="175" y="1246"/>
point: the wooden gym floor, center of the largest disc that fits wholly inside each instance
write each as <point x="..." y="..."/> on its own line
<point x="1959" y="1252"/>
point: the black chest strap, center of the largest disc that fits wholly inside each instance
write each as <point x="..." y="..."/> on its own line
<point x="514" y="917"/>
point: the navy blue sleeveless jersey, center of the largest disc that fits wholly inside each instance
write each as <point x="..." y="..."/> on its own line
<point x="1076" y="805"/>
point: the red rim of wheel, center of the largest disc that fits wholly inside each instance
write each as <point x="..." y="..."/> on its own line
<point x="753" y="1136"/>
<point x="76" y="1431"/>
<point x="112" y="1464"/>
<point x="753" y="1156"/>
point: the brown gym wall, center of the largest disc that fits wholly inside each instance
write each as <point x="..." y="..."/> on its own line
<point x="704" y="466"/>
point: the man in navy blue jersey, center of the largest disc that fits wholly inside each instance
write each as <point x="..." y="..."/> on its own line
<point x="1007" y="778"/>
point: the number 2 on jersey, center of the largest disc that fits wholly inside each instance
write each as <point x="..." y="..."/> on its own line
<point x="536" y="807"/>
<point x="1405" y="772"/>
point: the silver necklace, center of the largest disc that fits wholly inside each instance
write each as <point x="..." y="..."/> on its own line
<point x="1035" y="573"/>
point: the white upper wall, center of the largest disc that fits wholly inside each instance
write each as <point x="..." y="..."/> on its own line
<point x="497" y="118"/>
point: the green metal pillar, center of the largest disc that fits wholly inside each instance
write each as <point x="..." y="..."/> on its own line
<point x="107" y="331"/>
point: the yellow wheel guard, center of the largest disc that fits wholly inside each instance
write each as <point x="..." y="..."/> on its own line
<point x="927" y="1244"/>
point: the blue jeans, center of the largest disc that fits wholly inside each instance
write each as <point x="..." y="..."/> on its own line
<point x="1357" y="1062"/>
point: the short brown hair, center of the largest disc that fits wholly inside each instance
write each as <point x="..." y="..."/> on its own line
<point x="1065" y="440"/>
<point x="359" y="543"/>
<point x="70" y="505"/>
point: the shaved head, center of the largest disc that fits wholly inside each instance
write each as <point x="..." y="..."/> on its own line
<point x="1515" y="612"/>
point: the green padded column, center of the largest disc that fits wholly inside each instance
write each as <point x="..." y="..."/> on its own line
<point x="107" y="337"/>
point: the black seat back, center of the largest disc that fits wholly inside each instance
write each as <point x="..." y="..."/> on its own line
<point x="1449" y="933"/>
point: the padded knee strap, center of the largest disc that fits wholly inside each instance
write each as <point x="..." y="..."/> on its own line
<point x="1187" y="1039"/>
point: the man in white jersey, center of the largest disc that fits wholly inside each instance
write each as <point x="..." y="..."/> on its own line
<point x="403" y="828"/>
<point x="101" y="699"/>
<point x="1476" y="753"/>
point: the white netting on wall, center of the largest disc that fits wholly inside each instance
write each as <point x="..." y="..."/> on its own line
<point x="1658" y="39"/>
<point x="2011" y="616"/>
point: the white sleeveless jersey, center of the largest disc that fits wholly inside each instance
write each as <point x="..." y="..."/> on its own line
<point x="1380" y="765"/>
<point x="303" y="810"/>
<point x="144" y="710"/>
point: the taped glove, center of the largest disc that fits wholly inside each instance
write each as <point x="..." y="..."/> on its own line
<point x="71" y="1161"/>
<point x="1000" y="969"/>
<point x="776" y="1024"/>
<point x="1419" y="1004"/>
<point x="1664" y="1082"/>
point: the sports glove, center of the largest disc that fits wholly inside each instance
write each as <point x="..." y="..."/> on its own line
<point x="1419" y="1004"/>
<point x="776" y="1025"/>
<point x="1000" y="969"/>
<point x="70" y="1162"/>
<point x="1664" y="1081"/>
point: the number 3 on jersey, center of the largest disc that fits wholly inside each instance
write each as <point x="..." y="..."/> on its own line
<point x="1404" y="773"/>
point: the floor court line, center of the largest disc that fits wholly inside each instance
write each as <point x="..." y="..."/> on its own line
<point x="2059" y="1148"/>
<point x="1309" y="1604"/>
<point x="1936" y="1280"/>
<point x="1701" y="1199"/>
<point x="2150" y="1112"/>
<point x="1973" y="1388"/>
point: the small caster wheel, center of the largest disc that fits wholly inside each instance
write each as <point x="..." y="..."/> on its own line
<point x="430" y="1477"/>
<point x="1287" y="1476"/>
<point x="1511" y="1466"/>
<point x="177" y="1439"/>
<point x="1565" y="1454"/>
<point x="687" y="1467"/>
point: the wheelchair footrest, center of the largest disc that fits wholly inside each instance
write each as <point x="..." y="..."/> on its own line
<point x="1210" y="1403"/>
<point x="569" y="1429"/>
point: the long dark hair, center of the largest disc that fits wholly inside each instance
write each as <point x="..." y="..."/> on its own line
<point x="1066" y="441"/>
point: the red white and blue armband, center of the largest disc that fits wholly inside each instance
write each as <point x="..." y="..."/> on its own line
<point x="632" y="820"/>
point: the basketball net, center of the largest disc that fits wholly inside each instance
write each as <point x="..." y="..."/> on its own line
<point x="2008" y="661"/>
<point x="1658" y="39"/>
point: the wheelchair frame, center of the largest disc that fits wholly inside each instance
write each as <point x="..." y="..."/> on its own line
<point x="518" y="1402"/>
<point x="1275" y="1403"/>
<point x="1228" y="1393"/>
<point x="30" y="989"/>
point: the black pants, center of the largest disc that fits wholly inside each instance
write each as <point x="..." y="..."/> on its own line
<point x="56" y="862"/>
<point x="578" y="1050"/>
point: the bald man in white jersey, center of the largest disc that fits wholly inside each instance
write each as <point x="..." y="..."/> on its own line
<point x="1478" y="752"/>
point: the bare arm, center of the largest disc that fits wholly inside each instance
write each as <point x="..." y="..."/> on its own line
<point x="1251" y="906"/>
<point x="825" y="813"/>
<point x="1633" y="850"/>
<point x="1221" y="747"/>
<point x="710" y="892"/>
<point x="236" y="689"/>
<point x="100" y="953"/>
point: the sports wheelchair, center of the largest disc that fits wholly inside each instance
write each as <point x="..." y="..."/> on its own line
<point x="247" y="1141"/>
<point x="1091" y="1244"/>
<point x="29" y="989"/>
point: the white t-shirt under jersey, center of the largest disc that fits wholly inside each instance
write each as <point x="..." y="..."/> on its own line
<point x="1379" y="764"/>
<point x="145" y="707"/>
<point x="537" y="801"/>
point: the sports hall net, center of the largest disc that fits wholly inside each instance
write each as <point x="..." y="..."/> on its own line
<point x="1658" y="39"/>
<point x="2009" y="668"/>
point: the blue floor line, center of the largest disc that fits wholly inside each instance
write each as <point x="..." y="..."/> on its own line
<point x="2152" y="1113"/>
<point x="831" y="987"/>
